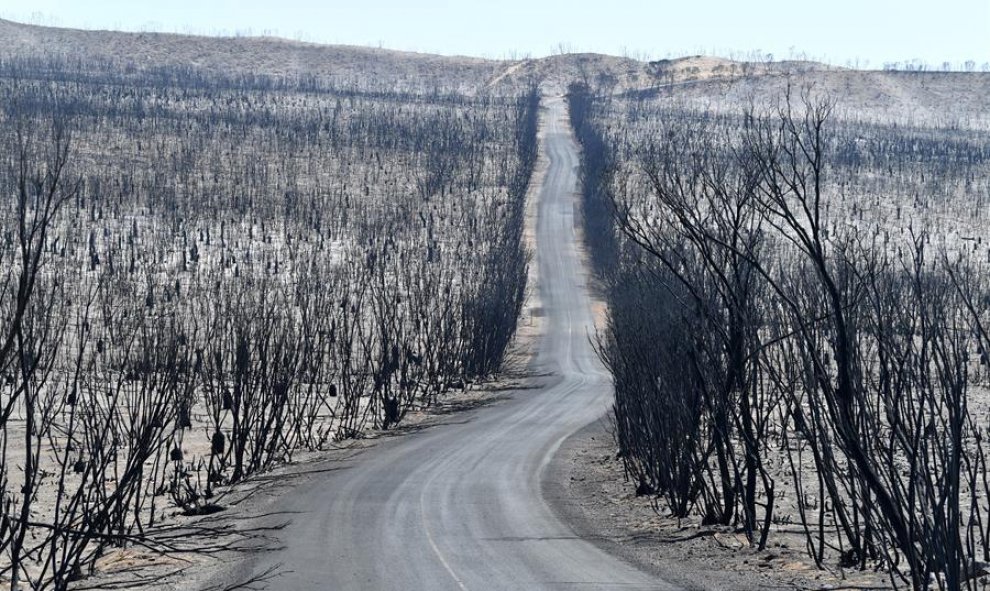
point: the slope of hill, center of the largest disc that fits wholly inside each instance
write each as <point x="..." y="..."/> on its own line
<point x="906" y="98"/>
<point x="946" y="98"/>
<point x="345" y="64"/>
<point x="249" y="55"/>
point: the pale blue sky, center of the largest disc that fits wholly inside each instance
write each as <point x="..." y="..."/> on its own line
<point x="839" y="31"/>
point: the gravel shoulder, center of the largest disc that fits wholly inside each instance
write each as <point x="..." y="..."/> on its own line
<point x="586" y="486"/>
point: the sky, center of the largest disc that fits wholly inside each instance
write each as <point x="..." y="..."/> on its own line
<point x="867" y="33"/>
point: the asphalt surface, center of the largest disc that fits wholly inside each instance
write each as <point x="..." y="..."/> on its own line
<point x="459" y="506"/>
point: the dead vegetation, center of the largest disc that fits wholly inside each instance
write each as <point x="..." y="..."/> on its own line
<point x="221" y="252"/>
<point x="205" y="275"/>
<point x="796" y="324"/>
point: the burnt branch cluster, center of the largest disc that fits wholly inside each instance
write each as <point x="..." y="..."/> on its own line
<point x="217" y="272"/>
<point x="796" y="334"/>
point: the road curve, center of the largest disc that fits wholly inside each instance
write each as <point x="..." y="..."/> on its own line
<point x="459" y="506"/>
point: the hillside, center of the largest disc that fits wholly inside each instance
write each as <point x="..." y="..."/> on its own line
<point x="248" y="55"/>
<point x="919" y="96"/>
<point x="343" y="64"/>
<point x="348" y="64"/>
<point x="914" y="98"/>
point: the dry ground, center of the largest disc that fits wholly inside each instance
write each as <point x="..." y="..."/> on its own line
<point x="589" y="488"/>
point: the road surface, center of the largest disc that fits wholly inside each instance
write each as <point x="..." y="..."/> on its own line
<point x="459" y="506"/>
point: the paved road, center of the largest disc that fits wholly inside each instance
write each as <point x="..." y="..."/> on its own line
<point x="459" y="506"/>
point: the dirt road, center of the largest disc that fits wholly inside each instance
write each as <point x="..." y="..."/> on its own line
<point x="460" y="506"/>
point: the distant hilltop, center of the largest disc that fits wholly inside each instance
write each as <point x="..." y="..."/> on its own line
<point x="694" y="77"/>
